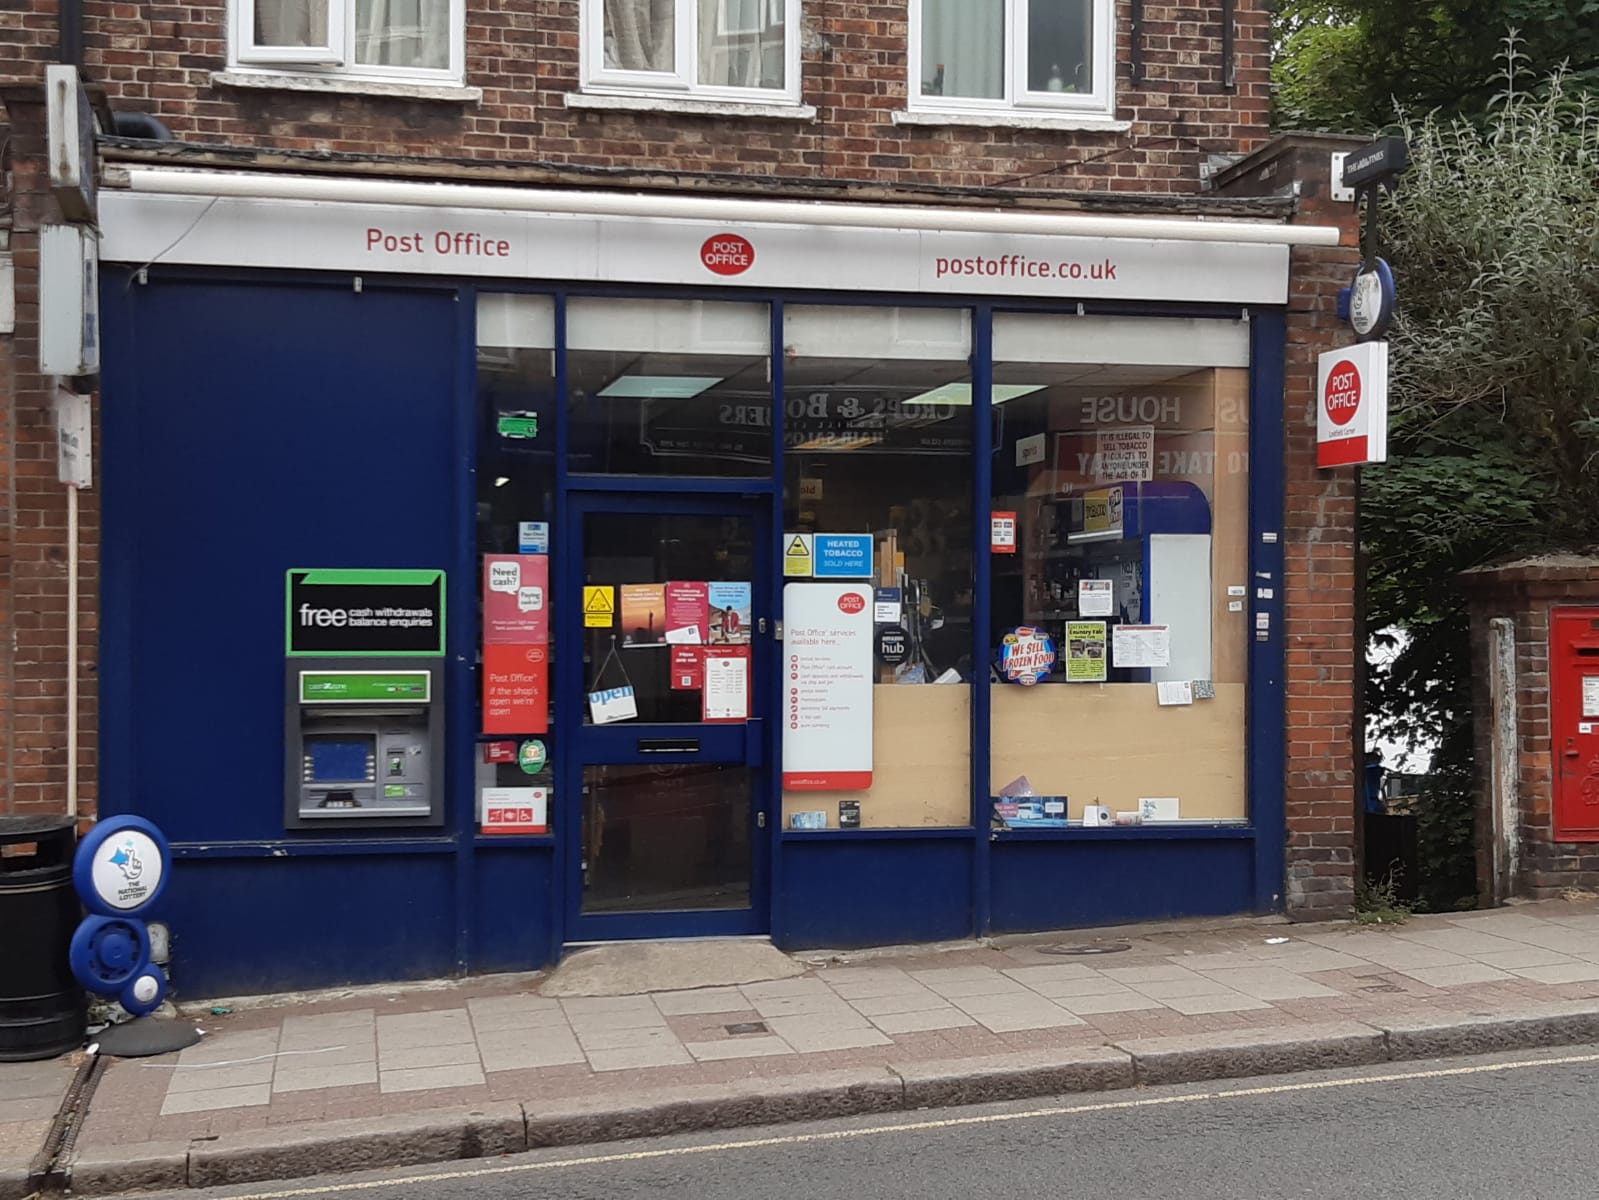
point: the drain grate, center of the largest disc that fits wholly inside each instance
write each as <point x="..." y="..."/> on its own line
<point x="1087" y="948"/>
<point x="747" y="1027"/>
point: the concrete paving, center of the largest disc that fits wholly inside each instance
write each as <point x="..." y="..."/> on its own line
<point x="486" y="1065"/>
<point x="30" y="1095"/>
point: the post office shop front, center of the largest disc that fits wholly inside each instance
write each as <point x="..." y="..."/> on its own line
<point x="680" y="577"/>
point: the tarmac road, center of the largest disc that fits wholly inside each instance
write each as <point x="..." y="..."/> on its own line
<point x="1507" y="1127"/>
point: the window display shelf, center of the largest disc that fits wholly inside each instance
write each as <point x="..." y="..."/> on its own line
<point x="1177" y="831"/>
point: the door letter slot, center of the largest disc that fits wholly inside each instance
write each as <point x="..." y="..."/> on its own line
<point x="669" y="745"/>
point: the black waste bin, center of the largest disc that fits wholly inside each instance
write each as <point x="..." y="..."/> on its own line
<point x="42" y="1009"/>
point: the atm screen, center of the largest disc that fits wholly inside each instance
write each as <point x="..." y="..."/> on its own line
<point x="339" y="762"/>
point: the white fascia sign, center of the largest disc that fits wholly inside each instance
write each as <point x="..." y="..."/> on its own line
<point x="292" y="234"/>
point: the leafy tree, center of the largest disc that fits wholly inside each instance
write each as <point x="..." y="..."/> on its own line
<point x="1349" y="65"/>
<point x="1494" y="441"/>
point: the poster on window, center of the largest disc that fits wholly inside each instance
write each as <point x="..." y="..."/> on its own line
<point x="827" y="687"/>
<point x="643" y="615"/>
<point x="516" y="689"/>
<point x="729" y="613"/>
<point x="1125" y="455"/>
<point x="1085" y="652"/>
<point x="687" y="668"/>
<point x="688" y="617"/>
<point x="726" y="687"/>
<point x="515" y="590"/>
<point x="514" y="810"/>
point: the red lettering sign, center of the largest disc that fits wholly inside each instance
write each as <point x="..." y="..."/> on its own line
<point x="515" y="689"/>
<point x="727" y="254"/>
<point x="851" y="602"/>
<point x="1342" y="398"/>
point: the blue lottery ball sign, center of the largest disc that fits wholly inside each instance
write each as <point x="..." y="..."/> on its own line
<point x="1372" y="299"/>
<point x="120" y="872"/>
<point x="121" y="867"/>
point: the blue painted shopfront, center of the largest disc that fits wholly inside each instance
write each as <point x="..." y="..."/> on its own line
<point x="255" y="422"/>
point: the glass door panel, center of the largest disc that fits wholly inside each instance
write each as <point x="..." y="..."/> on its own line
<point x="671" y="760"/>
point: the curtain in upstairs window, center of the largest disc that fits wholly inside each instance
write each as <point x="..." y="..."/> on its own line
<point x="291" y="22"/>
<point x="640" y="35"/>
<point x="963" y="48"/>
<point x="403" y="33"/>
<point x="741" y="43"/>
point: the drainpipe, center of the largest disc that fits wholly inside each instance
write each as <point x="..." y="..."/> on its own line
<point x="69" y="19"/>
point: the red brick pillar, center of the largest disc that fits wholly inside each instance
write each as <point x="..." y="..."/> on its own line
<point x="1526" y="593"/>
<point x="33" y="542"/>
<point x="1321" y="630"/>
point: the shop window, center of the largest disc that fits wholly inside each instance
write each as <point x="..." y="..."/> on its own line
<point x="403" y="40"/>
<point x="717" y="49"/>
<point x="515" y="511"/>
<point x="878" y="422"/>
<point x="669" y="387"/>
<point x="1046" y="55"/>
<point x="1121" y="471"/>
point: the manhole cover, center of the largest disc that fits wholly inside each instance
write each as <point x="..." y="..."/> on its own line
<point x="746" y="1027"/>
<point x="1383" y="987"/>
<point x="1087" y="948"/>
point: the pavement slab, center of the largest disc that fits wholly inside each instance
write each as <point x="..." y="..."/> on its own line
<point x="472" y="1065"/>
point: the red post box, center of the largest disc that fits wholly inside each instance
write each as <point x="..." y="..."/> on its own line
<point x="1574" y="711"/>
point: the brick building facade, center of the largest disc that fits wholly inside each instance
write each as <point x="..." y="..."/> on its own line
<point x="1175" y="130"/>
<point x="1532" y="641"/>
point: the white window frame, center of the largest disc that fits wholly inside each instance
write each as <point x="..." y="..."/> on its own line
<point x="680" y="84"/>
<point x="1101" y="102"/>
<point x="336" y="59"/>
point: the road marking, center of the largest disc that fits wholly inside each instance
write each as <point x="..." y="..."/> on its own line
<point x="837" y="1135"/>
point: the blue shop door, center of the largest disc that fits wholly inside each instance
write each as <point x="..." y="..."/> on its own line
<point x="670" y="607"/>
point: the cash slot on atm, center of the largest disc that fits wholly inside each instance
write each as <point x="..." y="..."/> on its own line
<point x="364" y="746"/>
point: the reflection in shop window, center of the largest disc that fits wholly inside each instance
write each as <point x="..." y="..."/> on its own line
<point x="669" y="387"/>
<point x="515" y="505"/>
<point x="1122" y="446"/>
<point x="878" y="422"/>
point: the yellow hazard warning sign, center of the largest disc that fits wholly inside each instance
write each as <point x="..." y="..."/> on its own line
<point x="599" y="607"/>
<point x="799" y="555"/>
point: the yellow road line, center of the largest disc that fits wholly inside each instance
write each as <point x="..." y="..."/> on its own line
<point x="835" y="1135"/>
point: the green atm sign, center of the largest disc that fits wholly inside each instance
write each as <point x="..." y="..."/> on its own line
<point x="385" y="687"/>
<point x="372" y="613"/>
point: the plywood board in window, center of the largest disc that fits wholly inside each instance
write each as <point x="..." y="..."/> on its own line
<point x="1112" y="744"/>
<point x="921" y="762"/>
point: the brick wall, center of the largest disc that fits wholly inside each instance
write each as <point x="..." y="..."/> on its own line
<point x="1321" y="630"/>
<point x="1526" y="592"/>
<point x="524" y="55"/>
<point x="33" y="527"/>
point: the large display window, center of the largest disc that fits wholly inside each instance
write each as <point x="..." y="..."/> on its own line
<point x="878" y="423"/>
<point x="1121" y="469"/>
<point x="516" y="482"/>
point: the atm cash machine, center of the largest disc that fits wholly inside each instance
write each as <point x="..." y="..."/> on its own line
<point x="364" y="745"/>
<point x="364" y="699"/>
